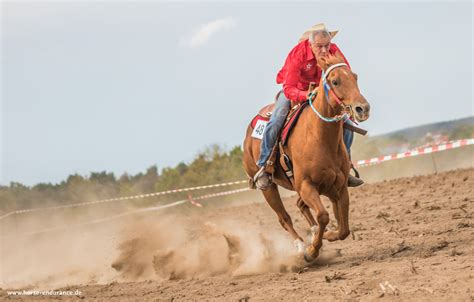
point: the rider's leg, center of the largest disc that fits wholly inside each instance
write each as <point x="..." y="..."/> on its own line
<point x="348" y="137"/>
<point x="277" y="119"/>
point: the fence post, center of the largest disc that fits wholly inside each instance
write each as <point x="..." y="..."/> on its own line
<point x="434" y="163"/>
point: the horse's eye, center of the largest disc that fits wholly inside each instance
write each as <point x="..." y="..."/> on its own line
<point x="334" y="82"/>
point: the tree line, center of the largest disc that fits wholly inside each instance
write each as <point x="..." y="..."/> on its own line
<point x="213" y="165"/>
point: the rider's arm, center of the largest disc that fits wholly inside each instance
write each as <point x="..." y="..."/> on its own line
<point x="294" y="65"/>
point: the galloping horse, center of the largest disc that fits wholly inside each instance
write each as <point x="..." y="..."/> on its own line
<point x="321" y="164"/>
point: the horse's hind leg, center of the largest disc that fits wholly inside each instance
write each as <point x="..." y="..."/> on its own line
<point x="272" y="196"/>
<point x="306" y="213"/>
<point x="341" y="212"/>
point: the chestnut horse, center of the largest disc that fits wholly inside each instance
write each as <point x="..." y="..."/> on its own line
<point x="321" y="164"/>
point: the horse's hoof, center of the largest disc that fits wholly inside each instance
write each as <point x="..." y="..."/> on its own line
<point x="307" y="257"/>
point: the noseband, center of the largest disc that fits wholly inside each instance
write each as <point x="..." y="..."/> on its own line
<point x="328" y="89"/>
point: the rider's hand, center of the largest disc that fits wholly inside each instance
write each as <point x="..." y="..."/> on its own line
<point x="312" y="89"/>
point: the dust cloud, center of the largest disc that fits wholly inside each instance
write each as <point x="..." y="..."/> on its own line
<point x="151" y="246"/>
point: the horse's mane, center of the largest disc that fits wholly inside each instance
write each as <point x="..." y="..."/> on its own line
<point x="334" y="59"/>
<point x="330" y="60"/>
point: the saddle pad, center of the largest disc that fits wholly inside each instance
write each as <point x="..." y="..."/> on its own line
<point x="291" y="122"/>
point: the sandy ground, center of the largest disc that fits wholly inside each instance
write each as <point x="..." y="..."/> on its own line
<point x="415" y="236"/>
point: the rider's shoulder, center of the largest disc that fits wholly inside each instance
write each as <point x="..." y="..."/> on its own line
<point x="300" y="50"/>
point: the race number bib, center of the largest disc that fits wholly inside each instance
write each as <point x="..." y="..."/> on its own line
<point x="259" y="129"/>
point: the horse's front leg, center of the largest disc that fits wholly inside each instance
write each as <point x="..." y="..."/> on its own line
<point x="272" y="196"/>
<point x="340" y="207"/>
<point x="310" y="195"/>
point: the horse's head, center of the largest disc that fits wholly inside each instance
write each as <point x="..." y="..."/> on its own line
<point x="343" y="83"/>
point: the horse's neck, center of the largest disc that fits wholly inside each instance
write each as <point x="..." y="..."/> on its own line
<point x="322" y="103"/>
<point x="329" y="132"/>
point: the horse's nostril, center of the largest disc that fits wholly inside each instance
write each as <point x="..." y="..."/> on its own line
<point x="359" y="109"/>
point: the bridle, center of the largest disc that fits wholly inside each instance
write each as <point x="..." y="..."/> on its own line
<point x="347" y="110"/>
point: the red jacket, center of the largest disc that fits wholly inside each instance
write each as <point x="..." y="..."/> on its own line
<point x="300" y="69"/>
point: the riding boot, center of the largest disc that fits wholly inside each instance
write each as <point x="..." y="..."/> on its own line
<point x="262" y="179"/>
<point x="354" y="181"/>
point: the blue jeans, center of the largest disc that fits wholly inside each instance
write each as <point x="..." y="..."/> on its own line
<point x="348" y="137"/>
<point x="282" y="107"/>
<point x="277" y="119"/>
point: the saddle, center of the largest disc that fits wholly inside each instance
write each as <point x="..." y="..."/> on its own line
<point x="265" y="113"/>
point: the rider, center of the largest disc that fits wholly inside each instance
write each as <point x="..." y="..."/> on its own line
<point x="299" y="70"/>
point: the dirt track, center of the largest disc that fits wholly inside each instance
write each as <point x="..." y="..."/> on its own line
<point x="415" y="233"/>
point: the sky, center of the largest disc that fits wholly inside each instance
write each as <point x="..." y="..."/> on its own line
<point x="120" y="86"/>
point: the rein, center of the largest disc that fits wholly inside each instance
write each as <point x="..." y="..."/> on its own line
<point x="327" y="90"/>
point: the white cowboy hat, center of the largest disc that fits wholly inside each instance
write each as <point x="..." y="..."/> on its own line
<point x="317" y="27"/>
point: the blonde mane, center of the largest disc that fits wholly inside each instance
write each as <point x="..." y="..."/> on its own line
<point x="326" y="62"/>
